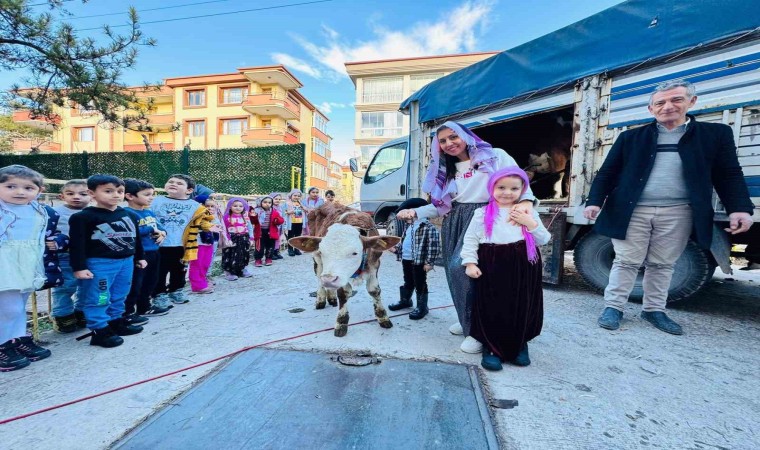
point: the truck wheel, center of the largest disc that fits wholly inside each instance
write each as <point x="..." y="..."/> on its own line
<point x="391" y="226"/>
<point x="594" y="254"/>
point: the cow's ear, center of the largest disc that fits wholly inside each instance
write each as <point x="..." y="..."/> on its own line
<point x="305" y="243"/>
<point x="380" y="243"/>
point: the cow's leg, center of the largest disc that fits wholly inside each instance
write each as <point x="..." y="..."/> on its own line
<point x="332" y="297"/>
<point x="321" y="292"/>
<point x="558" y="186"/>
<point x="373" y="287"/>
<point x="341" y="326"/>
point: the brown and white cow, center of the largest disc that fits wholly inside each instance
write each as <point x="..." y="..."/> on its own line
<point x="346" y="248"/>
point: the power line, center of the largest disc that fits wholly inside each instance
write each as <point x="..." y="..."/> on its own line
<point x="47" y="3"/>
<point x="148" y="9"/>
<point x="211" y="15"/>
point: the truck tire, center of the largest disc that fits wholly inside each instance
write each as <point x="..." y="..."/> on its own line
<point x="391" y="225"/>
<point x="594" y="254"/>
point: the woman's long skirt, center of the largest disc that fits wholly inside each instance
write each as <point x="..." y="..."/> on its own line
<point x="508" y="310"/>
<point x="460" y="285"/>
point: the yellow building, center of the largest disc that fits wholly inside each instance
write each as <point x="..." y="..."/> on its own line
<point x="253" y="107"/>
<point x="382" y="85"/>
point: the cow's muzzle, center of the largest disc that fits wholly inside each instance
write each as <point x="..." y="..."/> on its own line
<point x="330" y="281"/>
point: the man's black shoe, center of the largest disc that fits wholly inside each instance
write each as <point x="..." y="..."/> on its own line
<point x="135" y="319"/>
<point x="105" y="337"/>
<point x="662" y="322"/>
<point x="122" y="328"/>
<point x="25" y="345"/>
<point x="610" y="319"/>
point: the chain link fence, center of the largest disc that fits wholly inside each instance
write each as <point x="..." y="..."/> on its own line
<point x="245" y="171"/>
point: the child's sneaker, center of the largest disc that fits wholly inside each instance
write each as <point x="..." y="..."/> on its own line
<point x="178" y="297"/>
<point x="230" y="277"/>
<point x="247" y="272"/>
<point x="257" y="263"/>
<point x="135" y="319"/>
<point x="268" y="262"/>
<point x="11" y="359"/>
<point x="162" y="301"/>
<point x="122" y="328"/>
<point x="25" y="346"/>
<point x="155" y="311"/>
<point x="65" y="324"/>
<point x="81" y="320"/>
<point x="105" y="337"/>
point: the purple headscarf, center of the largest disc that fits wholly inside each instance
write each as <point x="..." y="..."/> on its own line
<point x="492" y="208"/>
<point x="483" y="158"/>
<point x="229" y="205"/>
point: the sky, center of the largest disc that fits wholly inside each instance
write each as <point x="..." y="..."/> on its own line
<point x="314" y="38"/>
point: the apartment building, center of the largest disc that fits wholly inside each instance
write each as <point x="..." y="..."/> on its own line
<point x="252" y="107"/>
<point x="382" y="85"/>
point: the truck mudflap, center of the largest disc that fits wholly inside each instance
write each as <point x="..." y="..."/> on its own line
<point x="552" y="253"/>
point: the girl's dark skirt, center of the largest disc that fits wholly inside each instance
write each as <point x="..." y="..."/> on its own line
<point x="235" y="259"/>
<point x="460" y="285"/>
<point x="508" y="309"/>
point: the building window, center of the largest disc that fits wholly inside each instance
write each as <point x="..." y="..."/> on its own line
<point x="383" y="90"/>
<point x="319" y="171"/>
<point x="266" y="123"/>
<point x="196" y="128"/>
<point x="381" y="124"/>
<point x="196" y="97"/>
<point x="320" y="147"/>
<point x="320" y="123"/>
<point x="85" y="134"/>
<point x="232" y="96"/>
<point x="417" y="82"/>
<point x="234" y="126"/>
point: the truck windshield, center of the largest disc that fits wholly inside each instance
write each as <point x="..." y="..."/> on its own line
<point x="386" y="161"/>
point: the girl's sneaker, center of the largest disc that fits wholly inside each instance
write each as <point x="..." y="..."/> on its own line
<point x="178" y="297"/>
<point x="25" y="346"/>
<point x="135" y="319"/>
<point x="162" y="301"/>
<point x="11" y="359"/>
<point x="257" y="263"/>
<point x="247" y="272"/>
<point x="206" y="290"/>
<point x="230" y="277"/>
<point x="268" y="262"/>
<point x="155" y="311"/>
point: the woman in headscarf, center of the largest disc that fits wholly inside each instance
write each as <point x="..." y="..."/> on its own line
<point x="457" y="180"/>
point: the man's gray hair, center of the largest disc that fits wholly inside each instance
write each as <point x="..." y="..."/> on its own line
<point x="691" y="90"/>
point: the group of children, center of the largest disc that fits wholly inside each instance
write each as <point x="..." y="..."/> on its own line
<point x="112" y="267"/>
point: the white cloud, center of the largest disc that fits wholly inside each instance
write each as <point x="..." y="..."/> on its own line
<point x="455" y="31"/>
<point x="327" y="107"/>
<point x="297" y="64"/>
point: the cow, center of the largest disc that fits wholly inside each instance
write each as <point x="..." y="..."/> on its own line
<point x="346" y="248"/>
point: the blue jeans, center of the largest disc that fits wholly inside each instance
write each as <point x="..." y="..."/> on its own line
<point x="63" y="302"/>
<point x="103" y="295"/>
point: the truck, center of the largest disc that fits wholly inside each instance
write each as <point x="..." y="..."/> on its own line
<point x="581" y="89"/>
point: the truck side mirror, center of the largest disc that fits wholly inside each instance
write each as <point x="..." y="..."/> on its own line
<point x="353" y="164"/>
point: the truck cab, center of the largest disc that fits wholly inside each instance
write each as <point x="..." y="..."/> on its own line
<point x="385" y="182"/>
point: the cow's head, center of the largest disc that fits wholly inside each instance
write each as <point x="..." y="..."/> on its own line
<point x="341" y="251"/>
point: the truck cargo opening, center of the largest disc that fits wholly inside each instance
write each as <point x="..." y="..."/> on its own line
<point x="540" y="143"/>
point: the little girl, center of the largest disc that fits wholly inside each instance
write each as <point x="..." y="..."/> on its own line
<point x="23" y="224"/>
<point x="508" y="309"/>
<point x="235" y="259"/>
<point x="278" y="204"/>
<point x="295" y="218"/>
<point x="266" y="225"/>
<point x="200" y="266"/>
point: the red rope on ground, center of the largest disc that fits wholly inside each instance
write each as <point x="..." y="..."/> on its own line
<point x="184" y="369"/>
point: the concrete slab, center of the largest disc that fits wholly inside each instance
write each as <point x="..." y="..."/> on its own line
<point x="288" y="399"/>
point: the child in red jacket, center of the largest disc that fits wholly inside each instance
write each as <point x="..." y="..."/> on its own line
<point x="266" y="230"/>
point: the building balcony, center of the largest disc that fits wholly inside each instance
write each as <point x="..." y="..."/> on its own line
<point x="161" y="122"/>
<point x="24" y="117"/>
<point x="272" y="105"/>
<point x="261" y="137"/>
<point x="155" y="146"/>
<point x="271" y="75"/>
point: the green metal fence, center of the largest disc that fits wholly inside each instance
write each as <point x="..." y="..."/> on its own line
<point x="245" y="171"/>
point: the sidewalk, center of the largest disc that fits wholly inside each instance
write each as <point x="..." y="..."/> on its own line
<point x="586" y="388"/>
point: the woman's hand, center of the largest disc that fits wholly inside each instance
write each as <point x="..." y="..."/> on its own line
<point x="522" y="218"/>
<point x="427" y="267"/>
<point x="406" y="214"/>
<point x="473" y="271"/>
<point x="525" y="206"/>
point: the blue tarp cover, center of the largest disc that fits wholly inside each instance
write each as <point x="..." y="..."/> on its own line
<point x="621" y="36"/>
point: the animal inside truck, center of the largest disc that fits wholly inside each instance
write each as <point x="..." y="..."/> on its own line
<point x="558" y="103"/>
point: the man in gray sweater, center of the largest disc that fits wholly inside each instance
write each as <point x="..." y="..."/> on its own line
<point x="656" y="188"/>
